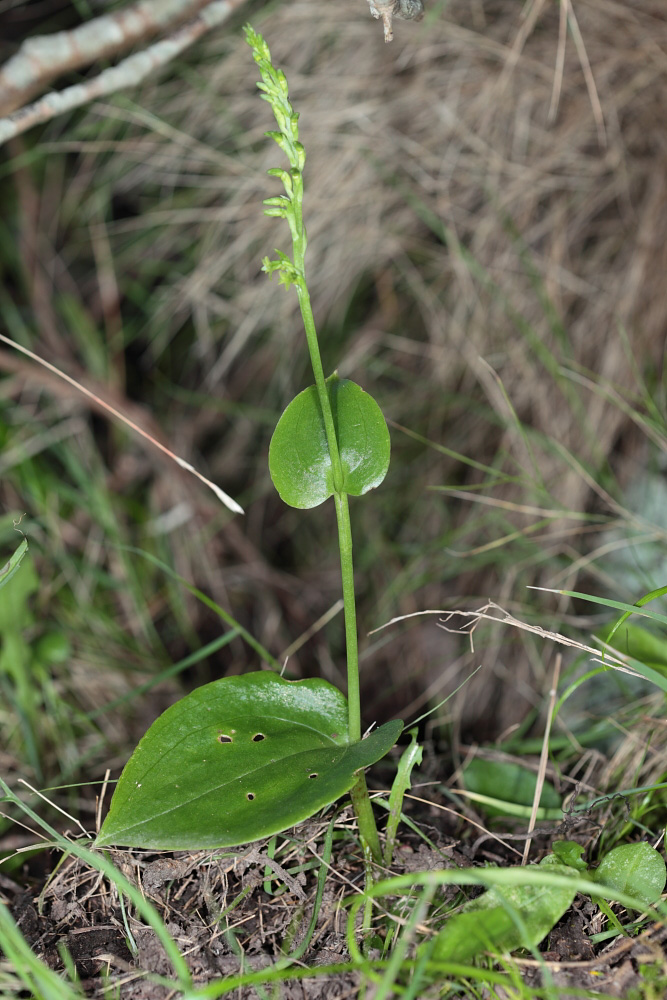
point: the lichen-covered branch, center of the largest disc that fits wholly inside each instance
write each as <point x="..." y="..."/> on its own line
<point x="128" y="73"/>
<point x="45" y="57"/>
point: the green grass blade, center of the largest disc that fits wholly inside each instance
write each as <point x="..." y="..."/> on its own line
<point x="175" y="668"/>
<point x="210" y="603"/>
<point x="12" y="565"/>
<point x="646" y="599"/>
<point x="101" y="863"/>
<point x="42" y="982"/>
<point x="632" y="609"/>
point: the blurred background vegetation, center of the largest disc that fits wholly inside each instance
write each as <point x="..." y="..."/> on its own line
<point x="486" y="204"/>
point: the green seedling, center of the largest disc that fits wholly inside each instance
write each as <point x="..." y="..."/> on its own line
<point x="246" y="757"/>
<point x="569" y="852"/>
<point x="636" y="869"/>
<point x="505" y="918"/>
<point x="412" y="756"/>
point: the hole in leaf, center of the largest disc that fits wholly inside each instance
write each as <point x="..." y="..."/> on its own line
<point x="313" y="775"/>
<point x="223" y="738"/>
<point x="250" y="796"/>
<point x="258" y="737"/>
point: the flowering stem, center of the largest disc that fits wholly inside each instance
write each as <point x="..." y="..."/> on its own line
<point x="292" y="272"/>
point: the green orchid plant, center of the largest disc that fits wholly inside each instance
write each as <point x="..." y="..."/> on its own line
<point x="246" y="757"/>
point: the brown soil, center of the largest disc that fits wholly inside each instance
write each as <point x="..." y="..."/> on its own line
<point x="244" y="911"/>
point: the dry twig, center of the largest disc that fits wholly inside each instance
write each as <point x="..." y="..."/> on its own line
<point x="387" y="10"/>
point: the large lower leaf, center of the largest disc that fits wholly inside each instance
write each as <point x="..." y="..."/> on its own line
<point x="299" y="460"/>
<point x="236" y="760"/>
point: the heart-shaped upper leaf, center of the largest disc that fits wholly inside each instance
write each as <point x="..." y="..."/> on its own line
<point x="236" y="760"/>
<point x="299" y="459"/>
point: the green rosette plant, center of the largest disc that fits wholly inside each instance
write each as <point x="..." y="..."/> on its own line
<point x="246" y="757"/>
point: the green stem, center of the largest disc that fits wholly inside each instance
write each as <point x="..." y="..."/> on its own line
<point x="318" y="372"/>
<point x="365" y="818"/>
<point x="350" y="611"/>
<point x="367" y="919"/>
<point x="359" y="794"/>
<point x="360" y="799"/>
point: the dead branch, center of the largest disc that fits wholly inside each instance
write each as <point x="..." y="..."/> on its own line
<point x="42" y="59"/>
<point x="128" y="73"/>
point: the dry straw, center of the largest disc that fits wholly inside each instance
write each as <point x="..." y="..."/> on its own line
<point x="483" y="120"/>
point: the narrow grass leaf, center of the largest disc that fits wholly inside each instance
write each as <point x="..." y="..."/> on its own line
<point x="176" y="668"/>
<point x="638" y="643"/>
<point x="646" y="599"/>
<point x="410" y="757"/>
<point x="607" y="603"/>
<point x="210" y="603"/>
<point x="29" y="968"/>
<point x="12" y="565"/>
<point x="649" y="673"/>
<point x="100" y="862"/>
<point x="506" y="782"/>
